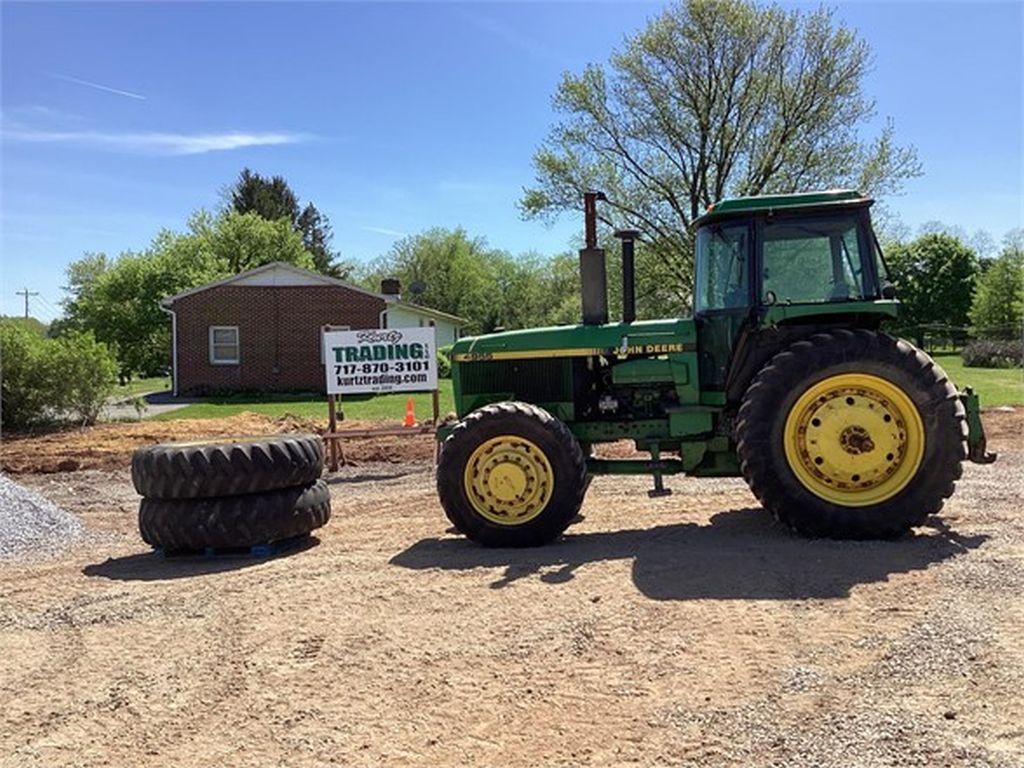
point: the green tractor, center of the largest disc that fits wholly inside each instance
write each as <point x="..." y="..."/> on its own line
<point x="783" y="376"/>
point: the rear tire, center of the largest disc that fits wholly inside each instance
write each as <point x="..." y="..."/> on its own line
<point x="511" y="475"/>
<point x="813" y="415"/>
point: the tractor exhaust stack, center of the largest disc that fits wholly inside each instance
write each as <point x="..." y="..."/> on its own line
<point x="628" y="238"/>
<point x="593" y="275"/>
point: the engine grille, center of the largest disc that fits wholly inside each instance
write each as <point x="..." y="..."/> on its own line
<point x="535" y="381"/>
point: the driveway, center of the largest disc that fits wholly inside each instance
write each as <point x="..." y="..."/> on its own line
<point x="154" y="403"/>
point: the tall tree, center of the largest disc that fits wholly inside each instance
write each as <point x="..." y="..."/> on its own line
<point x="714" y="98"/>
<point x="273" y="199"/>
<point x="453" y="269"/>
<point x="934" y="277"/>
<point x="997" y="309"/>
<point x="316" y="232"/>
<point x="120" y="302"/>
<point x="462" y="275"/>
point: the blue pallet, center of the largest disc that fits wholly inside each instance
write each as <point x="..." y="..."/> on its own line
<point x="256" y="550"/>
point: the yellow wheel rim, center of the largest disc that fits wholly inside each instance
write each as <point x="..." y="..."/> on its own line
<point x="508" y="480"/>
<point x="854" y="439"/>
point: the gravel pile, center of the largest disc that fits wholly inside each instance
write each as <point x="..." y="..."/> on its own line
<point x="30" y="525"/>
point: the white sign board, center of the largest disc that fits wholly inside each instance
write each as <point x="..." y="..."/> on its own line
<point x="380" y="360"/>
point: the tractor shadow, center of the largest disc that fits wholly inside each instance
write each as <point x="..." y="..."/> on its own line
<point x="741" y="554"/>
<point x="155" y="566"/>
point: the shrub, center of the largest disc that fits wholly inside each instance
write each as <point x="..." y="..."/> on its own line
<point x="993" y="354"/>
<point x="83" y="372"/>
<point x="444" y="363"/>
<point x="48" y="378"/>
<point x="24" y="390"/>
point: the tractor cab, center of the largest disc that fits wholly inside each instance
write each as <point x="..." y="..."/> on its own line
<point x="762" y="262"/>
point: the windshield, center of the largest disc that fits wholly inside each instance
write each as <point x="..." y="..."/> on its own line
<point x="812" y="260"/>
<point x="723" y="280"/>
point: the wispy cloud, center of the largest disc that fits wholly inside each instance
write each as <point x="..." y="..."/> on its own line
<point x="156" y="143"/>
<point x="97" y="86"/>
<point x="464" y="185"/>
<point x="385" y="231"/>
<point x="43" y="112"/>
<point x="508" y="35"/>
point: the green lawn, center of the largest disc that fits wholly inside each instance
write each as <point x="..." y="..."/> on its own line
<point x="364" y="407"/>
<point x="995" y="386"/>
<point x="142" y="386"/>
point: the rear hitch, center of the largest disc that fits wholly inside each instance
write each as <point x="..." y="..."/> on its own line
<point x="976" y="441"/>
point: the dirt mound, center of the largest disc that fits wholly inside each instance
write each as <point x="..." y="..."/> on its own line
<point x="110" y="446"/>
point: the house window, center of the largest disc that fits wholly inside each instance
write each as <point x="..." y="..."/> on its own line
<point x="224" y="345"/>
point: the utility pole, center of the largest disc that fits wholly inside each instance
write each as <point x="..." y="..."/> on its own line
<point x="26" y="293"/>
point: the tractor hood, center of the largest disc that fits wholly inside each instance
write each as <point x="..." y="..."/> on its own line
<point x="638" y="339"/>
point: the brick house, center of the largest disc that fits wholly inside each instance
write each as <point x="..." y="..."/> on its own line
<point x="260" y="330"/>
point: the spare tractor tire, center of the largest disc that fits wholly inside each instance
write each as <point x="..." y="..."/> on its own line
<point x="234" y="521"/>
<point x="227" y="467"/>
<point x="851" y="435"/>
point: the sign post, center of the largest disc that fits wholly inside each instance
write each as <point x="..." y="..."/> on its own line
<point x="378" y="361"/>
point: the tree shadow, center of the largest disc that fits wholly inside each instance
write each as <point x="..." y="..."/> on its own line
<point x="155" y="566"/>
<point x="742" y="554"/>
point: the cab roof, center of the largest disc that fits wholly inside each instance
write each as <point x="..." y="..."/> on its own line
<point x="768" y="203"/>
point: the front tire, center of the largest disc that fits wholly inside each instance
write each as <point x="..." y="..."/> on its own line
<point x="511" y="475"/>
<point x="851" y="435"/>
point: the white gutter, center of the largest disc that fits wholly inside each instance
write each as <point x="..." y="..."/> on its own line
<point x="174" y="348"/>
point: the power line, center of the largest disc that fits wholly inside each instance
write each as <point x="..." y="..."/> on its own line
<point x="50" y="307"/>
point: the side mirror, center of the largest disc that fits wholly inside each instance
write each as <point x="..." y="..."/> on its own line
<point x="770" y="298"/>
<point x="888" y="290"/>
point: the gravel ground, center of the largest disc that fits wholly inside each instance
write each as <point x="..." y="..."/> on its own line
<point x="687" y="630"/>
<point x="31" y="526"/>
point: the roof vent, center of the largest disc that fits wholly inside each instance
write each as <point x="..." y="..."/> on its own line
<point x="391" y="287"/>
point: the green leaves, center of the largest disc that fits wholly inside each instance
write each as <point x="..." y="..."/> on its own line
<point x="934" y="277"/>
<point x="273" y="199"/>
<point x="997" y="311"/>
<point x="47" y="378"/>
<point x="714" y="98"/>
<point x="118" y="299"/>
<point x="488" y="287"/>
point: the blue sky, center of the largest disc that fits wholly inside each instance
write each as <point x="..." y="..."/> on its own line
<point x="121" y="119"/>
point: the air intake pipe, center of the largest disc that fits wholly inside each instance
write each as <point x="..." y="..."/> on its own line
<point x="593" y="275"/>
<point x="628" y="238"/>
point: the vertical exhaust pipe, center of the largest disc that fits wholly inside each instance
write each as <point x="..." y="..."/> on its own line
<point x="593" y="276"/>
<point x="628" y="238"/>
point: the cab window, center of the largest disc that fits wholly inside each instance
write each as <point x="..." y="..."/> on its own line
<point x="812" y="260"/>
<point x="723" y="279"/>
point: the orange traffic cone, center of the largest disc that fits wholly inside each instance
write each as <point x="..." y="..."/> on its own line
<point x="410" y="413"/>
